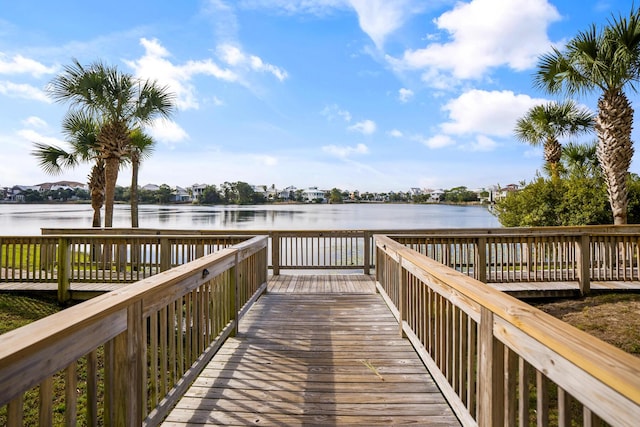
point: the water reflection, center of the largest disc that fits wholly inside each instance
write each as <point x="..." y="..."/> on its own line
<point x="28" y="219"/>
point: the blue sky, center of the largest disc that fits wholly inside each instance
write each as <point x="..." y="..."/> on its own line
<point x="369" y="95"/>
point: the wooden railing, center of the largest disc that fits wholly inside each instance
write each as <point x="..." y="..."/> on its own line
<point x="492" y="354"/>
<point x="100" y="258"/>
<point x="125" y="357"/>
<point x="504" y="255"/>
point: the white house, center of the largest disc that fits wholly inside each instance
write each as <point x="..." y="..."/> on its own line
<point x="181" y="194"/>
<point x="151" y="187"/>
<point x="435" y="195"/>
<point x="312" y="193"/>
<point x="287" y="193"/>
<point x="197" y="190"/>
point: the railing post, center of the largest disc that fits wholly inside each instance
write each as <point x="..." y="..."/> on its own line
<point x="165" y="254"/>
<point x="402" y="297"/>
<point x="64" y="269"/>
<point x="275" y="252"/>
<point x="128" y="383"/>
<point x="367" y="253"/>
<point x="490" y="374"/>
<point x="481" y="259"/>
<point x="233" y="296"/>
<point x="583" y="259"/>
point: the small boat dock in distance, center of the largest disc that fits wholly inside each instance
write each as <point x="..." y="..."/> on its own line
<point x="315" y="350"/>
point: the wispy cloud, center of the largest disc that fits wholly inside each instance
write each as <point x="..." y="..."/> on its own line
<point x="380" y="18"/>
<point x="18" y="64"/>
<point x="35" y="122"/>
<point x="24" y="91"/>
<point x="154" y="64"/>
<point x="345" y="151"/>
<point x="404" y="95"/>
<point x="365" y="127"/>
<point x="167" y="131"/>
<point x="436" y="141"/>
<point x="235" y="57"/>
<point x="395" y="133"/>
<point x="332" y="112"/>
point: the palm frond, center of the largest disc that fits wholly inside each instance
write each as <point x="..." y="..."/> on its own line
<point x="53" y="159"/>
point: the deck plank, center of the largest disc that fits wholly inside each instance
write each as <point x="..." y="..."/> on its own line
<point x="324" y="352"/>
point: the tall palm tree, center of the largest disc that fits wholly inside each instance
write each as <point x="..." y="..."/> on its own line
<point x="120" y="103"/>
<point x="607" y="61"/>
<point x="141" y="147"/>
<point x="81" y="132"/>
<point x="545" y="124"/>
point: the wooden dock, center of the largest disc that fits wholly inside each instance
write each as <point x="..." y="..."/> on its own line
<point x="315" y="350"/>
<point x="321" y="283"/>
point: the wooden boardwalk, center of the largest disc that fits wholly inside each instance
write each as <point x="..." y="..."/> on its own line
<point x="315" y="350"/>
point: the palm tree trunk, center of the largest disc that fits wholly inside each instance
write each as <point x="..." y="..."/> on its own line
<point x="96" y="187"/>
<point x="111" y="166"/>
<point x="615" y="149"/>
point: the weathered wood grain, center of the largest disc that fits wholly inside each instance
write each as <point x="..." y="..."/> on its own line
<point x="315" y="359"/>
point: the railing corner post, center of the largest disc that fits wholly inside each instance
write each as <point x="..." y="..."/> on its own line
<point x="64" y="269"/>
<point x="367" y="253"/>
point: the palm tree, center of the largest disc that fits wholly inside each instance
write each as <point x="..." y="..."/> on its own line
<point x="581" y="160"/>
<point x="120" y="103"/>
<point x="140" y="148"/>
<point x="608" y="61"/>
<point x="545" y="124"/>
<point x="81" y="133"/>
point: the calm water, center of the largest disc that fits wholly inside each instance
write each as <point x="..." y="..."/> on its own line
<point x="27" y="219"/>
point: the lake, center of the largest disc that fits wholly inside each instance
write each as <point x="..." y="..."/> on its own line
<point x="28" y="219"/>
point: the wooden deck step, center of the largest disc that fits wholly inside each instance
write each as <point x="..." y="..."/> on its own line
<point x="315" y="359"/>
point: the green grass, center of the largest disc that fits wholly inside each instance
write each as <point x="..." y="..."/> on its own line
<point x="18" y="310"/>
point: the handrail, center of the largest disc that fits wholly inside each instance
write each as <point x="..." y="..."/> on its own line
<point x="577" y="255"/>
<point x="470" y="335"/>
<point x="197" y="305"/>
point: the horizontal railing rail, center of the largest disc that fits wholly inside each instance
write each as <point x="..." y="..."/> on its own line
<point x="74" y="258"/>
<point x="492" y="354"/>
<point x="501" y="255"/>
<point x="124" y="358"/>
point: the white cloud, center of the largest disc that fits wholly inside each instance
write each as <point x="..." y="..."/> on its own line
<point x="482" y="143"/>
<point x="35" y="122"/>
<point x="23" y="91"/>
<point x="167" y="131"/>
<point x="346" y="151"/>
<point x="395" y="133"/>
<point x="155" y="65"/>
<point x="379" y="18"/>
<point x="366" y="127"/>
<point x="485" y="34"/>
<point x="437" y="141"/>
<point x="266" y="160"/>
<point x="32" y="136"/>
<point x="235" y="57"/>
<point x="404" y="95"/>
<point x="18" y="64"/>
<point x="331" y="112"/>
<point x="489" y="113"/>
<point x="314" y="7"/>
